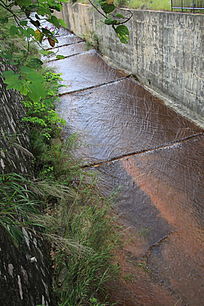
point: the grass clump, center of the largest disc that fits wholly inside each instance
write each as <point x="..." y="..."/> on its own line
<point x="145" y="4"/>
<point x="17" y="204"/>
<point x="78" y="225"/>
<point x="68" y="209"/>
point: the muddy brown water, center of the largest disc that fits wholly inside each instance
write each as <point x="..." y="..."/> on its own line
<point x="154" y="158"/>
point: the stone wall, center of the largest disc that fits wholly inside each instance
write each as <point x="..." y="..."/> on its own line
<point x="25" y="270"/>
<point x="165" y="52"/>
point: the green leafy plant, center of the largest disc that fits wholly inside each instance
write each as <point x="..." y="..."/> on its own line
<point x="40" y="106"/>
<point x="117" y="20"/>
<point x="28" y="16"/>
<point x="22" y="23"/>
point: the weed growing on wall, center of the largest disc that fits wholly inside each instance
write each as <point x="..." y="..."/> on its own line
<point x="17" y="205"/>
<point x="82" y="235"/>
<point x="68" y="209"/>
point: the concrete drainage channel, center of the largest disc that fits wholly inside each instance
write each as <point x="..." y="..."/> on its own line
<point x="154" y="157"/>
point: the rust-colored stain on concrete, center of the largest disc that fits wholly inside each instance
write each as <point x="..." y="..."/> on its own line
<point x="154" y="158"/>
<point x="173" y="180"/>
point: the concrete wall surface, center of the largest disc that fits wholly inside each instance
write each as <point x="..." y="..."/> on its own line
<point x="25" y="270"/>
<point x="165" y="52"/>
<point x="14" y="141"/>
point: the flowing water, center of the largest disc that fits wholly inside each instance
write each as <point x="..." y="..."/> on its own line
<point x="154" y="158"/>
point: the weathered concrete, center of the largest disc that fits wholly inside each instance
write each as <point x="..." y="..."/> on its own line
<point x="165" y="52"/>
<point x="139" y="121"/>
<point x="67" y="50"/>
<point x="14" y="141"/>
<point x="69" y="39"/>
<point x="83" y="71"/>
<point x="153" y="157"/>
<point x="25" y="271"/>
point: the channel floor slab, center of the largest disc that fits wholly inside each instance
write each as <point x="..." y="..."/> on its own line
<point x="83" y="71"/>
<point x="160" y="194"/>
<point x="62" y="41"/>
<point x="121" y="118"/>
<point x="67" y="51"/>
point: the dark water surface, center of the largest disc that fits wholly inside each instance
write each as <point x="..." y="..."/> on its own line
<point x="154" y="158"/>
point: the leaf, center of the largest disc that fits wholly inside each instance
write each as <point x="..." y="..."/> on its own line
<point x="55" y="6"/>
<point x="10" y="78"/>
<point x="38" y="35"/>
<point x="23" y="22"/>
<point x="25" y="3"/>
<point x="120" y="16"/>
<point x="51" y="41"/>
<point x="47" y="32"/>
<point x="13" y="81"/>
<point x="122" y="33"/>
<point x="35" y="63"/>
<point x="54" y="20"/>
<point x="46" y="52"/>
<point x="60" y="57"/>
<point x="3" y="20"/>
<point x="30" y="32"/>
<point x="36" y="91"/>
<point x="14" y="30"/>
<point x="31" y="74"/>
<point x="27" y="32"/>
<point x="35" y="83"/>
<point x="110" y="21"/>
<point x="108" y="8"/>
<point x="42" y="11"/>
<point x="62" y="23"/>
<point x="35" y="120"/>
<point x="36" y="23"/>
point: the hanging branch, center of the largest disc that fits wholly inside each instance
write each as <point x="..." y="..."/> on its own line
<point x="111" y="18"/>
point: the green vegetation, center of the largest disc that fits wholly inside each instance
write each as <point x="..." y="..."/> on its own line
<point x="62" y="203"/>
<point x="152" y="5"/>
<point x="145" y="4"/>
<point x="82" y="236"/>
<point x="91" y="40"/>
<point x="17" y="205"/>
<point x="69" y="211"/>
<point x="30" y="15"/>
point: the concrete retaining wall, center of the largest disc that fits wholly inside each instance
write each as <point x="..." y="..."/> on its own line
<point x="25" y="270"/>
<point x="14" y="141"/>
<point x="165" y="52"/>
